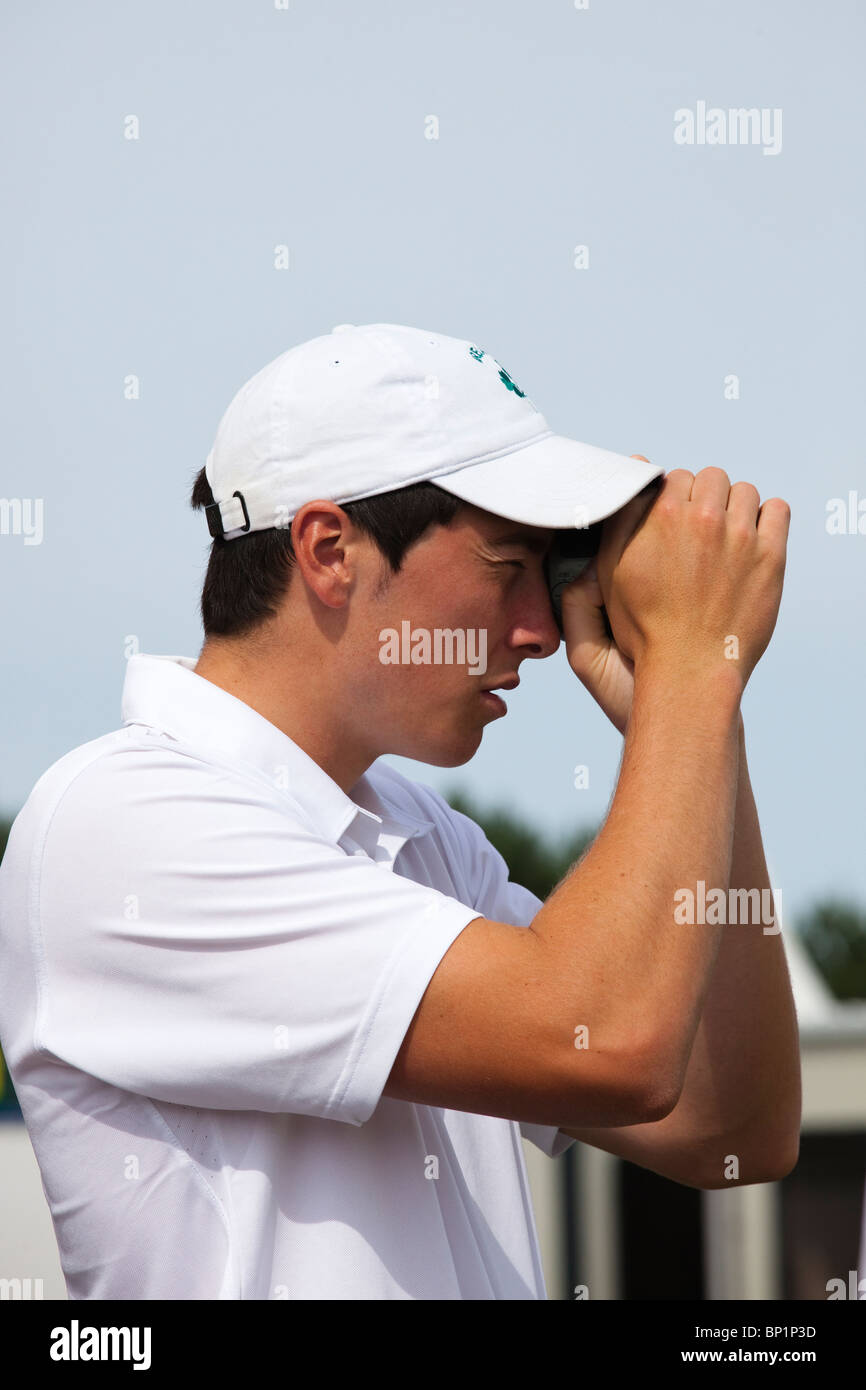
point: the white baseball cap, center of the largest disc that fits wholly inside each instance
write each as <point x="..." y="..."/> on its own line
<point x="370" y="408"/>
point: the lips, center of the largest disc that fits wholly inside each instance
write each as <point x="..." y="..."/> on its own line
<point x="511" y="683"/>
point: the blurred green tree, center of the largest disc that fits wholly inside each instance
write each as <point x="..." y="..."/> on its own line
<point x="834" y="934"/>
<point x="534" y="863"/>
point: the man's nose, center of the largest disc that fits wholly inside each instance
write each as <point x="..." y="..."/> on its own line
<point x="538" y="630"/>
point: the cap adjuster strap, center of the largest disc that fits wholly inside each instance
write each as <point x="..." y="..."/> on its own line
<point x="216" y="521"/>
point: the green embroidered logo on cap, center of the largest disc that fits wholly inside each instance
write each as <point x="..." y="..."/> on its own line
<point x="512" y="386"/>
<point x="479" y="354"/>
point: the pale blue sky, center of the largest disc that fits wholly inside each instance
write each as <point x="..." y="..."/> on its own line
<point x="306" y="126"/>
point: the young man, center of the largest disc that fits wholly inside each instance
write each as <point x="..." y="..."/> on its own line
<point x="276" y="1016"/>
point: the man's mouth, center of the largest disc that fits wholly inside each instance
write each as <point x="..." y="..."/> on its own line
<point x="509" y="683"/>
<point x="495" y="702"/>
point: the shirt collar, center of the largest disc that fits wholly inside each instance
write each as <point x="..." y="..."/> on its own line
<point x="166" y="693"/>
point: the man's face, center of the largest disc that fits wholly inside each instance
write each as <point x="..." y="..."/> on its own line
<point x="480" y="582"/>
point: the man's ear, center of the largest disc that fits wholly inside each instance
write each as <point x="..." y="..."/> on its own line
<point x="323" y="539"/>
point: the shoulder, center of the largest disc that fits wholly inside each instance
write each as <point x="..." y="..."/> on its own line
<point x="71" y="777"/>
<point x="127" y="793"/>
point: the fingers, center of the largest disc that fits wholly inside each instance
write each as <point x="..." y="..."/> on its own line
<point x="711" y="488"/>
<point x="743" y="502"/>
<point x="678" y="484"/>
<point x="712" y="491"/>
<point x="774" y="520"/>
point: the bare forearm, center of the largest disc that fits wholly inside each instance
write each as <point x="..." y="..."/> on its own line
<point x="741" y="1096"/>
<point x="743" y="1077"/>
<point x="609" y="933"/>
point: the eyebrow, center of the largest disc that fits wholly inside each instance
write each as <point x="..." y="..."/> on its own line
<point x="537" y="544"/>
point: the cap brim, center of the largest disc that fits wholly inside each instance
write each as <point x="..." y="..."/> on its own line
<point x="554" y="481"/>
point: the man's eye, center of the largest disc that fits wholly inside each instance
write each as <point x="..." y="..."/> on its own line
<point x="519" y="563"/>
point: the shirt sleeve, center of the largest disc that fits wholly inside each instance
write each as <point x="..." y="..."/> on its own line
<point x="501" y="900"/>
<point x="551" y="1140"/>
<point x="204" y="948"/>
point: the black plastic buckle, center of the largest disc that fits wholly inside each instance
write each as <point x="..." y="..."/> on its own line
<point x="215" y="521"/>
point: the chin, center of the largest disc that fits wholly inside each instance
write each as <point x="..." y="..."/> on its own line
<point x="449" y="751"/>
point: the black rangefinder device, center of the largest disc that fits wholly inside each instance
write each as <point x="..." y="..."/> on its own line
<point x="572" y="550"/>
<point x="567" y="558"/>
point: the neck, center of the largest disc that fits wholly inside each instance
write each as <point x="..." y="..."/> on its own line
<point x="289" y="697"/>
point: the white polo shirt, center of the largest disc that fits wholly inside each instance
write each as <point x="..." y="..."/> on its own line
<point x="209" y="958"/>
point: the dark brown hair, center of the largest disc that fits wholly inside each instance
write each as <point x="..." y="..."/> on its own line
<point x="247" y="577"/>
